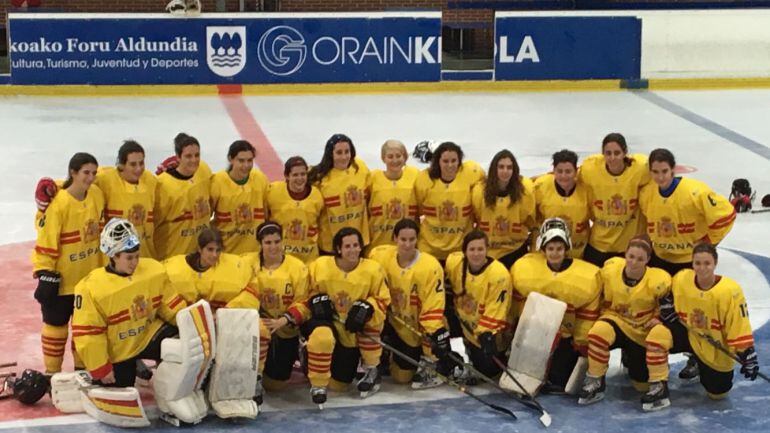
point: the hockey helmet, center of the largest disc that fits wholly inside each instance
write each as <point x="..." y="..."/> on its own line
<point x="118" y="235"/>
<point x="30" y="387"/>
<point x="741" y="196"/>
<point x="423" y="151"/>
<point x="551" y="229"/>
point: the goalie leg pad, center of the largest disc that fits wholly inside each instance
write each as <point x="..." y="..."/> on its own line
<point x="233" y="378"/>
<point x="185" y="363"/>
<point x="65" y="391"/>
<point x="121" y="407"/>
<point x="540" y="322"/>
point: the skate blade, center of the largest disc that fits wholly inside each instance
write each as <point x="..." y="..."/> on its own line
<point x="321" y="406"/>
<point x="658" y="405"/>
<point x="586" y="401"/>
<point x="374" y="389"/>
<point x="689" y="380"/>
<point x="426" y="385"/>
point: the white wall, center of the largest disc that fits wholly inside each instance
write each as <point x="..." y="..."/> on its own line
<point x="696" y="43"/>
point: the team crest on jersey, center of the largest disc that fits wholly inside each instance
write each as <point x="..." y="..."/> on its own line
<point x="398" y="299"/>
<point x="342" y="303"/>
<point x="395" y="209"/>
<point x="353" y="196"/>
<point x="624" y="310"/>
<point x="448" y="211"/>
<point x="468" y="305"/>
<point x="269" y="299"/>
<point x="698" y="319"/>
<point x="502" y="226"/>
<point x="666" y="228"/>
<point x="201" y="208"/>
<point x="243" y="214"/>
<point x="617" y="205"/>
<point x="91" y="231"/>
<point x="136" y="215"/>
<point x="139" y="308"/>
<point x="295" y="231"/>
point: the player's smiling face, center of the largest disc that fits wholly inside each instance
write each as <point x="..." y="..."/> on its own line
<point x="636" y="259"/>
<point x="476" y="253"/>
<point x="341" y="155"/>
<point x="704" y="266"/>
<point x="189" y="160"/>
<point x="566" y="175"/>
<point x="242" y="164"/>
<point x="350" y="251"/>
<point x="297" y="178"/>
<point x="555" y="252"/>
<point x="125" y="262"/>
<point x="449" y="163"/>
<point x="662" y="173"/>
<point x="132" y="170"/>
<point x="394" y="160"/>
<point x="84" y="177"/>
<point x="210" y="254"/>
<point x="504" y="171"/>
<point x="614" y="157"/>
<point x="272" y="247"/>
<point x="406" y="240"/>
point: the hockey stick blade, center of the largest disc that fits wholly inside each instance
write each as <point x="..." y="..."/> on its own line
<point x="545" y="417"/>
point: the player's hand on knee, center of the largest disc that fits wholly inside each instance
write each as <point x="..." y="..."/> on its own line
<point x="488" y="345"/>
<point x="439" y="343"/>
<point x="359" y="314"/>
<point x="47" y="286"/>
<point x="321" y="307"/>
<point x="749" y="363"/>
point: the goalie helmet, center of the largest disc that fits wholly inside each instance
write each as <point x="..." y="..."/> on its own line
<point x="30" y="387"/>
<point x="119" y="235"/>
<point x="423" y="151"/>
<point x="551" y="229"/>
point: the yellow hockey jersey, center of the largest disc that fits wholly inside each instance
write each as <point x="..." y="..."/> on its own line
<point x="224" y="285"/>
<point x="115" y="316"/>
<point x="446" y="209"/>
<point x="579" y="286"/>
<point x="614" y="201"/>
<point x="390" y="202"/>
<point x="281" y="290"/>
<point x="134" y="202"/>
<point x="182" y="210"/>
<point x="720" y="312"/>
<point x="482" y="301"/>
<point x="676" y="223"/>
<point x="574" y="210"/>
<point x="632" y="308"/>
<point x="365" y="282"/>
<point x="345" y="195"/>
<point x="506" y="225"/>
<point x="68" y="237"/>
<point x="238" y="210"/>
<point x="416" y="292"/>
<point x="299" y="219"/>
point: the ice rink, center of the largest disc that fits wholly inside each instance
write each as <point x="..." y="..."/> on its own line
<point x="717" y="136"/>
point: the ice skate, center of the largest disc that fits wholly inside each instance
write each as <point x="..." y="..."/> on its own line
<point x="690" y="373"/>
<point x="592" y="391"/>
<point x="318" y="395"/>
<point x="425" y="377"/>
<point x="370" y="383"/>
<point x="656" y="398"/>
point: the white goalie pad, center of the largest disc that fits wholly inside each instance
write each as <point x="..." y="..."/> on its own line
<point x="121" y="407"/>
<point x="185" y="363"/>
<point x="233" y="378"/>
<point x="531" y="346"/>
<point x="577" y="377"/>
<point x="66" y="391"/>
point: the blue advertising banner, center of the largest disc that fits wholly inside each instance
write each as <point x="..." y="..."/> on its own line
<point x="567" y="48"/>
<point x="224" y="49"/>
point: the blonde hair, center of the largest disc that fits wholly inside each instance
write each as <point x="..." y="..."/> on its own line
<point x="393" y="144"/>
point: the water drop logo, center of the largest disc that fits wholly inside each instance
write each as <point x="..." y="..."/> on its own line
<point x="226" y="49"/>
<point x="281" y="50"/>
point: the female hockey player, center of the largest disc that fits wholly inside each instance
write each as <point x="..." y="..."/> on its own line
<point x="282" y="283"/>
<point x="613" y="180"/>
<point x="182" y="206"/>
<point x="482" y="297"/>
<point x="348" y="297"/>
<point x="296" y="206"/>
<point x="124" y="310"/>
<point x="504" y="207"/>
<point x="560" y="195"/>
<point x="238" y="199"/>
<point x="707" y="311"/>
<point x="392" y="193"/>
<point x="342" y="179"/>
<point x="551" y="272"/>
<point x="681" y="213"/>
<point x="630" y="297"/>
<point x="66" y="250"/>
<point x="129" y="192"/>
<point x="416" y="283"/>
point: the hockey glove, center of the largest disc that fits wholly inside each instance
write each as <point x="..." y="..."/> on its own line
<point x="667" y="312"/>
<point x="488" y="345"/>
<point x="321" y="307"/>
<point x="45" y="191"/>
<point x="749" y="363"/>
<point x="47" y="286"/>
<point x="423" y="151"/>
<point x="169" y="163"/>
<point x="439" y="343"/>
<point x="359" y="314"/>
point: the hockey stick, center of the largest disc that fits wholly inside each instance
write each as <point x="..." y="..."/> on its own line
<point x="531" y="403"/>
<point x="449" y="381"/>
<point x="545" y="417"/>
<point x="761" y="210"/>
<point x="8" y="364"/>
<point x="718" y="345"/>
